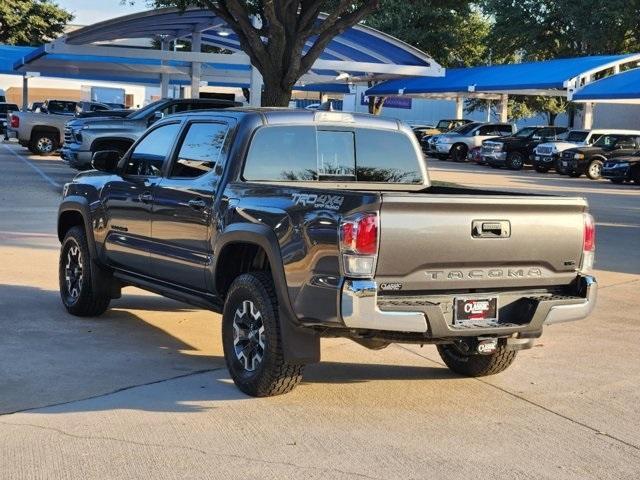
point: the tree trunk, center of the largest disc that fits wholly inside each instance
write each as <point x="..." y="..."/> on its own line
<point x="274" y="94"/>
<point x="552" y="118"/>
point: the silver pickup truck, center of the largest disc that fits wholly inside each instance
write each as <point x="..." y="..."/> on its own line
<point x="41" y="131"/>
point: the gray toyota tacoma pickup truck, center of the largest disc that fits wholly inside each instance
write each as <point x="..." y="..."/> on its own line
<point x="298" y="225"/>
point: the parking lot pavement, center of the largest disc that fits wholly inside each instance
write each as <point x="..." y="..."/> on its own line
<point x="143" y="391"/>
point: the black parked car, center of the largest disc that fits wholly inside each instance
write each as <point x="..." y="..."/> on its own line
<point x="516" y="151"/>
<point x="589" y="160"/>
<point x="622" y="169"/>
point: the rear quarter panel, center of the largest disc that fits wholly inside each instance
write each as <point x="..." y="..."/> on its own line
<point x="305" y="222"/>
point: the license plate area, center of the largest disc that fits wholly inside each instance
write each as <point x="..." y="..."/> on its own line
<point x="474" y="310"/>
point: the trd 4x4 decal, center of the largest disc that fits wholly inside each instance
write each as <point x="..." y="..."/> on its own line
<point x="332" y="202"/>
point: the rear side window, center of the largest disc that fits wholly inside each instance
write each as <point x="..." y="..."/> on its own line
<point x="302" y="153"/>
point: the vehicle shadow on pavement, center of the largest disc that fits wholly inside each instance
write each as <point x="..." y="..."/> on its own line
<point x="49" y="358"/>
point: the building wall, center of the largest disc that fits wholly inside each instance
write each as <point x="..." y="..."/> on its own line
<point x="43" y="88"/>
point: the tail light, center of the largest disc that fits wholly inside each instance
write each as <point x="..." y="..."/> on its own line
<point x="15" y="121"/>
<point x="588" y="243"/>
<point x="359" y="244"/>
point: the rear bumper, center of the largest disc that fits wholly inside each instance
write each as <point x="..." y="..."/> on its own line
<point x="363" y="309"/>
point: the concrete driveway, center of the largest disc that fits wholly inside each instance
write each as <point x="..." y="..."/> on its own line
<point x="142" y="392"/>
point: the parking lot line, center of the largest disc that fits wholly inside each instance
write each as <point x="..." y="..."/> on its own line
<point x="38" y="170"/>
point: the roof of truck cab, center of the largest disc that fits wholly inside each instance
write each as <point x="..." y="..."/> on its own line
<point x="288" y="116"/>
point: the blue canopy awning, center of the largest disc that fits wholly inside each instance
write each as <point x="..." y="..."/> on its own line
<point x="621" y="88"/>
<point x="530" y="76"/>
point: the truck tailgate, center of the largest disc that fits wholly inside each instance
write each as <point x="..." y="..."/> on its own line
<point x="444" y="242"/>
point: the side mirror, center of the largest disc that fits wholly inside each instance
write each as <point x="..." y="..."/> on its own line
<point x="156" y="116"/>
<point x="106" y="160"/>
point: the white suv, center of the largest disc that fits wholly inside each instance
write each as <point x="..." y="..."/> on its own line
<point x="457" y="144"/>
<point x="547" y="155"/>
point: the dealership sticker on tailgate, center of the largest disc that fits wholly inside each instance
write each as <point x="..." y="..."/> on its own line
<point x="475" y="310"/>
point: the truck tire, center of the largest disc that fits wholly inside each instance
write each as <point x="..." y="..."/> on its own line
<point x="44" y="143"/>
<point x="476" y="365"/>
<point x="74" y="273"/>
<point x="459" y="152"/>
<point x="515" y="161"/>
<point x="594" y="170"/>
<point x="252" y="340"/>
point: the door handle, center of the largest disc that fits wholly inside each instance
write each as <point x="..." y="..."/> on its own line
<point x="145" y="197"/>
<point x="198" y="204"/>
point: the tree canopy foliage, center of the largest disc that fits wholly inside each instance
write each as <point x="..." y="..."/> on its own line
<point x="31" y="22"/>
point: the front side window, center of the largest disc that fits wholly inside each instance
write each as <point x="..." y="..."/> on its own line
<point x="148" y="156"/>
<point x="200" y="150"/>
<point x="302" y="153"/>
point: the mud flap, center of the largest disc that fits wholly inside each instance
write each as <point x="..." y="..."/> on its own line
<point x="301" y="345"/>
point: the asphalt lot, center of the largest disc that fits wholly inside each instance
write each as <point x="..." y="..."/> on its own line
<point x="142" y="392"/>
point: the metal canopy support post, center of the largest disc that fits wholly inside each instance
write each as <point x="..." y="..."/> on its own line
<point x="504" y="108"/>
<point x="196" y="67"/>
<point x="459" y="107"/>
<point x="587" y="116"/>
<point x="255" y="85"/>
<point x="25" y="92"/>
<point x="164" y="78"/>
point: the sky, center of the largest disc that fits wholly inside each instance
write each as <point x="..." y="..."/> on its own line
<point x="87" y="12"/>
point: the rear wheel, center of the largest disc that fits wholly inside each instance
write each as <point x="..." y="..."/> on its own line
<point x="43" y="143"/>
<point x="459" y="152"/>
<point x="515" y="161"/>
<point x="594" y="170"/>
<point x="252" y="339"/>
<point x="473" y="364"/>
<point x="74" y="273"/>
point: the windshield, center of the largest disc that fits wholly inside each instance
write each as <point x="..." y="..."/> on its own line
<point x="466" y="128"/>
<point x="610" y="141"/>
<point x="144" y="111"/>
<point x="443" y="125"/>
<point x="526" y="132"/>
<point x="577" y="136"/>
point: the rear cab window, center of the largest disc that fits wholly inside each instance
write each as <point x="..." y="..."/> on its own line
<point x="332" y="154"/>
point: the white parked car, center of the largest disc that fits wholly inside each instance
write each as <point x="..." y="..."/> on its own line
<point x="547" y="155"/>
<point x="458" y="143"/>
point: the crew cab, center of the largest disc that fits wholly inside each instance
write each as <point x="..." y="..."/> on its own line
<point x="297" y="225"/>
<point x="41" y="131"/>
<point x="457" y="144"/>
<point x="589" y="160"/>
<point x="547" y="155"/>
<point x="516" y="151"/>
<point x="85" y="136"/>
